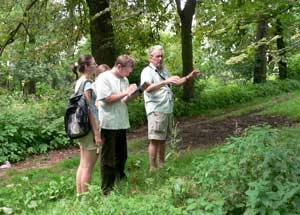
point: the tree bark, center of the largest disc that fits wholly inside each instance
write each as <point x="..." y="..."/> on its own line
<point x="101" y="30"/>
<point x="260" y="67"/>
<point x="281" y="49"/>
<point x="186" y="17"/>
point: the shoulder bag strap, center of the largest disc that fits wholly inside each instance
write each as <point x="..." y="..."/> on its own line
<point x="160" y="75"/>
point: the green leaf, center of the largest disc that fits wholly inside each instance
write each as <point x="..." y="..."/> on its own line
<point x="6" y="210"/>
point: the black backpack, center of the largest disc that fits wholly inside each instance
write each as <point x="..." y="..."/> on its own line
<point x="77" y="118"/>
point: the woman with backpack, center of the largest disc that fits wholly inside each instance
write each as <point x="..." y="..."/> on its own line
<point x="90" y="143"/>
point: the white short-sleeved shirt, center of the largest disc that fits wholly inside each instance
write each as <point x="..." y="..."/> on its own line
<point x="159" y="100"/>
<point x="112" y="116"/>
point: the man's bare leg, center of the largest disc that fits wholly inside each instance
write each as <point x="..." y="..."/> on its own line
<point x="152" y="149"/>
<point x="161" y="153"/>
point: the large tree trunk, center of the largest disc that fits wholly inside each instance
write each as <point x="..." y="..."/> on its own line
<point x="260" y="67"/>
<point x="186" y="18"/>
<point x="102" y="36"/>
<point x="281" y="49"/>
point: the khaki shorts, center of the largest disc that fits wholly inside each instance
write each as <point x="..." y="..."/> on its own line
<point x="159" y="125"/>
<point x="87" y="142"/>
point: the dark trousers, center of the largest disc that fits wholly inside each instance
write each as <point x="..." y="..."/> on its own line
<point x="113" y="157"/>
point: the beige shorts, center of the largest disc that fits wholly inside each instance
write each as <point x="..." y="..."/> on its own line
<point x="87" y="142"/>
<point x="159" y="125"/>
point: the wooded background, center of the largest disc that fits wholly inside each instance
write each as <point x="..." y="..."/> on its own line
<point x="231" y="40"/>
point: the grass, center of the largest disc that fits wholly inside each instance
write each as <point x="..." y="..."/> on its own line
<point x="172" y="190"/>
<point x="256" y="105"/>
<point x="289" y="108"/>
<point x="206" y="181"/>
<point x="140" y="185"/>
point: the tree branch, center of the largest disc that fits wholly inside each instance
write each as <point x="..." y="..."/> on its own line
<point x="13" y="33"/>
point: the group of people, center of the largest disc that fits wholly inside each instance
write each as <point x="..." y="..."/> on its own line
<point x="107" y="99"/>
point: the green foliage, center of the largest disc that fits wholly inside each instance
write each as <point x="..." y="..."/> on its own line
<point x="136" y="74"/>
<point x="257" y="173"/>
<point x="252" y="173"/>
<point x="289" y="109"/>
<point x="137" y="112"/>
<point x="31" y="128"/>
<point x="34" y="193"/>
<point x="44" y="44"/>
<point x="139" y="24"/>
<point x="231" y="94"/>
<point x="36" y="126"/>
<point x="294" y="67"/>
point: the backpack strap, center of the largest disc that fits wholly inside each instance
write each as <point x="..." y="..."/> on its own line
<point x="82" y="85"/>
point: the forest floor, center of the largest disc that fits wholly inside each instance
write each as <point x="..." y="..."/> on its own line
<point x="196" y="132"/>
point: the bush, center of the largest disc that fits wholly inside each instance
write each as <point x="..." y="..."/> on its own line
<point x="294" y="67"/>
<point x="137" y="112"/>
<point x="31" y="128"/>
<point x="254" y="174"/>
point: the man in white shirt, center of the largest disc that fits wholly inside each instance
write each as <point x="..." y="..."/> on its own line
<point x="112" y="89"/>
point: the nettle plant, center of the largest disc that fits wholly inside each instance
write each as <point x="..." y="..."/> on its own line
<point x="256" y="173"/>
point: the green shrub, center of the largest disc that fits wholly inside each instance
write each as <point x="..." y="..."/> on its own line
<point x="257" y="173"/>
<point x="31" y="128"/>
<point x="137" y="112"/>
<point x="294" y="67"/>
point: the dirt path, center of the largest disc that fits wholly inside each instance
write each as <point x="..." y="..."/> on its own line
<point x="193" y="133"/>
<point x="202" y="132"/>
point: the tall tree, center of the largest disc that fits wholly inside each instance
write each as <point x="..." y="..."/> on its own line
<point x="231" y="26"/>
<point x="101" y="30"/>
<point x="186" y="18"/>
<point x="282" y="64"/>
<point x="260" y="69"/>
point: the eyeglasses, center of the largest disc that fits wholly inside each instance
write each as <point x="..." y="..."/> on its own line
<point x="93" y="64"/>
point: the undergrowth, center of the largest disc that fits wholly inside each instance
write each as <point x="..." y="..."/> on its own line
<point x="35" y="125"/>
<point x="257" y="173"/>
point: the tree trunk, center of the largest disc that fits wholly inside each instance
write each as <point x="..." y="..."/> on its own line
<point x="281" y="49"/>
<point x="101" y="29"/>
<point x="260" y="67"/>
<point x="30" y="83"/>
<point x="29" y="88"/>
<point x="186" y="17"/>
